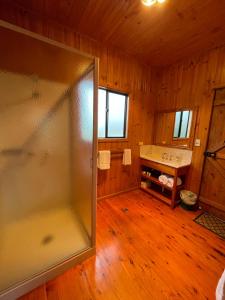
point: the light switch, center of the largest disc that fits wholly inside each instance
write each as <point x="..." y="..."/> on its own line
<point x="197" y="143"/>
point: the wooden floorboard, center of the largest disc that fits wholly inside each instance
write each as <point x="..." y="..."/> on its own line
<point x="145" y="250"/>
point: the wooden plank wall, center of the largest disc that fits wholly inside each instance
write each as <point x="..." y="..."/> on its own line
<point x="117" y="71"/>
<point x="190" y="83"/>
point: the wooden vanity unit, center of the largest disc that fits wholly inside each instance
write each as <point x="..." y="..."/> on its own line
<point x="168" y="195"/>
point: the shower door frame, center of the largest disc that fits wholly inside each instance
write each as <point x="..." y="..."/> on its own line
<point x="36" y="280"/>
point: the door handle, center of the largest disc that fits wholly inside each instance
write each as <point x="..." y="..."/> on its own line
<point x="210" y="154"/>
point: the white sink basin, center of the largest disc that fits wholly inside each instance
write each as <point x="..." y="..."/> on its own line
<point x="168" y="163"/>
<point x="172" y="157"/>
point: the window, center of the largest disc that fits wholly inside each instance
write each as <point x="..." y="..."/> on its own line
<point x="182" y="124"/>
<point x="112" y="114"/>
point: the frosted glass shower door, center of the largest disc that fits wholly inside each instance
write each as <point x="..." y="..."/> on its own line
<point x="82" y="124"/>
<point x="46" y="151"/>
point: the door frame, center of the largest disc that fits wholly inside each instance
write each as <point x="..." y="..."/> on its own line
<point x="213" y="91"/>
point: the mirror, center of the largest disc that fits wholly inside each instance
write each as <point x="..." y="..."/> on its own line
<point x="175" y="128"/>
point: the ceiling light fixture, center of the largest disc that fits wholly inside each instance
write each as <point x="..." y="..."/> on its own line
<point x="148" y="2"/>
<point x="151" y="2"/>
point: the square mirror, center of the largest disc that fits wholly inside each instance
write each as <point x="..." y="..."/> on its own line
<point x="175" y="128"/>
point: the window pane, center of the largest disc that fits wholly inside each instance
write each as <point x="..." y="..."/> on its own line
<point x="177" y="124"/>
<point x="117" y="105"/>
<point x="101" y="112"/>
<point x="184" y="124"/>
<point x="189" y="124"/>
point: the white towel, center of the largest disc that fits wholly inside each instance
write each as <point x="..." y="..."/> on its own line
<point x="127" y="157"/>
<point x="170" y="182"/>
<point x="163" y="179"/>
<point x="220" y="290"/>
<point x="104" y="159"/>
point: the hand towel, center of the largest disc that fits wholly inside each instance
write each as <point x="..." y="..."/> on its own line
<point x="127" y="157"/>
<point x="170" y="182"/>
<point x="163" y="179"/>
<point x="104" y="159"/>
<point x="220" y="290"/>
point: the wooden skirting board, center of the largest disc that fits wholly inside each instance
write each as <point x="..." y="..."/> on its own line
<point x="118" y="193"/>
<point x="214" y="208"/>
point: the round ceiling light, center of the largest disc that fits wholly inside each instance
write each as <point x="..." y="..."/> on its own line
<point x="151" y="2"/>
<point x="148" y="2"/>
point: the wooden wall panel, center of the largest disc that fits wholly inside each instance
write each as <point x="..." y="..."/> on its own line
<point x="190" y="83"/>
<point x="117" y="71"/>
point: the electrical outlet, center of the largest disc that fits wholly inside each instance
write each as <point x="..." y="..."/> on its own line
<point x="140" y="143"/>
<point x="197" y="143"/>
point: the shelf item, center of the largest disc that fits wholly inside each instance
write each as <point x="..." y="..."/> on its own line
<point x="151" y="167"/>
<point x="151" y="178"/>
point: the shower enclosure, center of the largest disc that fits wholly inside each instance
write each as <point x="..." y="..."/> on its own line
<point x="48" y="128"/>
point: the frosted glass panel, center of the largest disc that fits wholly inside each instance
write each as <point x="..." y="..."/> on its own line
<point x="117" y="106"/>
<point x="82" y="108"/>
<point x="101" y="113"/>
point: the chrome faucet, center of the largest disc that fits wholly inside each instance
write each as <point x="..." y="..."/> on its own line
<point x="165" y="156"/>
<point x="171" y="157"/>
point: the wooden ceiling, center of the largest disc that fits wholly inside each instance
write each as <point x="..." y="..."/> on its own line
<point x="160" y="35"/>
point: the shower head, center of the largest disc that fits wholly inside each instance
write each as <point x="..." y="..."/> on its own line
<point x="35" y="95"/>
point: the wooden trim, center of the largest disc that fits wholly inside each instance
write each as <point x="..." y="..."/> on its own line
<point x="207" y="141"/>
<point x="113" y="140"/>
<point x="218" y="86"/>
<point x="217" y="148"/>
<point x="42" y="277"/>
<point x="219" y="102"/>
<point x="39" y="37"/>
<point x="94" y="153"/>
<point x="157" y="195"/>
<point x="118" y="193"/>
<point x="177" y="109"/>
<point x="113" y="89"/>
<point x="216" y="166"/>
<point x="211" y="203"/>
<point x="181" y="139"/>
<point x="220" y="156"/>
<point x="158" y="166"/>
<point x="174" y="146"/>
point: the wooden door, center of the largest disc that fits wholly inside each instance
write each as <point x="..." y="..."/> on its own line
<point x="212" y="190"/>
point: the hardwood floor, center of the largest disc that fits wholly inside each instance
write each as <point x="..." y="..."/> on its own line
<point x="145" y="251"/>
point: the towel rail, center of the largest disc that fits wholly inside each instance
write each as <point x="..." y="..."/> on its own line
<point x="117" y="151"/>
